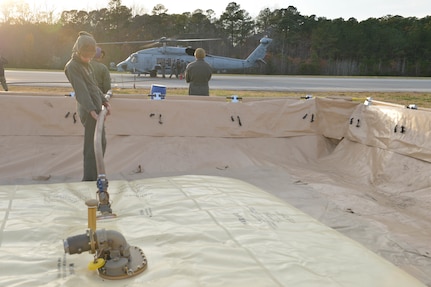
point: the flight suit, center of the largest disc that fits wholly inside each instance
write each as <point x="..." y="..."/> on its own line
<point x="102" y="75"/>
<point x="3" y="61"/>
<point x="198" y="73"/>
<point x="89" y="97"/>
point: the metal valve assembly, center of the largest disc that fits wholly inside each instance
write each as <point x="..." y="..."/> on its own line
<point x="114" y="258"/>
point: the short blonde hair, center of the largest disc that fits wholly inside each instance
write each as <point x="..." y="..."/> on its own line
<point x="200" y="53"/>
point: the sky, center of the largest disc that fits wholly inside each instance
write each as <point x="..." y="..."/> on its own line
<point x="330" y="9"/>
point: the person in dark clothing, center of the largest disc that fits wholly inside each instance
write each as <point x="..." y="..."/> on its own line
<point x="3" y="62"/>
<point x="163" y="67"/>
<point x="89" y="97"/>
<point x="183" y="65"/>
<point x="173" y="69"/>
<point x="177" y="68"/>
<point x="101" y="71"/>
<point x="198" y="73"/>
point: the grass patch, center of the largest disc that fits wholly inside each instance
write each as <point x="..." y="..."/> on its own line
<point x="422" y="100"/>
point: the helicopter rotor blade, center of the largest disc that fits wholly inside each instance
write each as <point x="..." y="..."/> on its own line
<point x="162" y="40"/>
<point x="150" y="45"/>
<point x="125" y="42"/>
<point x="198" y="40"/>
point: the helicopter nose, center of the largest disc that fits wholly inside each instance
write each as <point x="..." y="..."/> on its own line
<point x="121" y="67"/>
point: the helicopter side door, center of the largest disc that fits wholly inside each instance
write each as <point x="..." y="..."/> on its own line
<point x="134" y="60"/>
<point x="142" y="64"/>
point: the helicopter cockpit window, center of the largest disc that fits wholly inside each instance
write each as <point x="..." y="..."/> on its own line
<point x="134" y="59"/>
<point x="190" y="51"/>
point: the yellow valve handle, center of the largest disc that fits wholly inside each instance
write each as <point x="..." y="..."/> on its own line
<point x="94" y="265"/>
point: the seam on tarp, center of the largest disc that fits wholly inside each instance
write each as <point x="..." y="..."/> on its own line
<point x="227" y="231"/>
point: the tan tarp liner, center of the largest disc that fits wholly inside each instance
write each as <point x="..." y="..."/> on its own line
<point x="191" y="179"/>
<point x="195" y="231"/>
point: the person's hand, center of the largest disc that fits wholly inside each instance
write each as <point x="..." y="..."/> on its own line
<point x="108" y="108"/>
<point x="94" y="115"/>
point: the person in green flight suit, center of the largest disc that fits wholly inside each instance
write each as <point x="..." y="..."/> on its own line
<point x="198" y="73"/>
<point x="89" y="97"/>
<point x="3" y="62"/>
<point x="101" y="71"/>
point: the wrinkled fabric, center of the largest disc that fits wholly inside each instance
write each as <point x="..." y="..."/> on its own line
<point x="360" y="170"/>
<point x="193" y="230"/>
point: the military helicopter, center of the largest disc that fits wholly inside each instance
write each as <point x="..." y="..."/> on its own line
<point x="152" y="60"/>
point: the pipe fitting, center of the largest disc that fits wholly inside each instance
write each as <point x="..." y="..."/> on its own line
<point x="121" y="260"/>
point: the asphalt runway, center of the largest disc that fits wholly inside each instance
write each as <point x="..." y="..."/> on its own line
<point x="239" y="82"/>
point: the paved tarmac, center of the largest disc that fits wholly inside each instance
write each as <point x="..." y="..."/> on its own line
<point x="240" y="82"/>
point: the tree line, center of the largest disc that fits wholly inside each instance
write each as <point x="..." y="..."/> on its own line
<point x="302" y="45"/>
